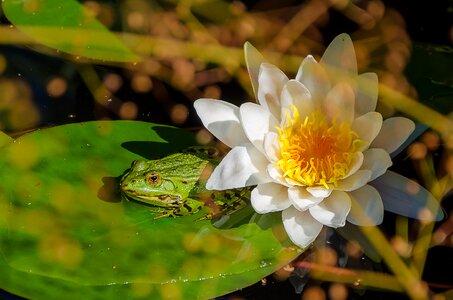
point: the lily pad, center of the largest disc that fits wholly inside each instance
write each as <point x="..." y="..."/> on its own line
<point x="4" y="139"/>
<point x="67" y="26"/>
<point x="64" y="229"/>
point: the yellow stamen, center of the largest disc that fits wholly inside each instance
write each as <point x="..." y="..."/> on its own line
<point x="316" y="152"/>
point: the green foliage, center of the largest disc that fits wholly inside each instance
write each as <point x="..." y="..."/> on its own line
<point x="4" y="139"/>
<point x="67" y="26"/>
<point x="65" y="232"/>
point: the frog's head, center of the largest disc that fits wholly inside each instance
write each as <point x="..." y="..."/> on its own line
<point x="162" y="182"/>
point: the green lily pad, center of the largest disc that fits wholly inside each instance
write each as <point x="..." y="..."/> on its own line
<point x="4" y="139"/>
<point x="64" y="229"/>
<point x="67" y="26"/>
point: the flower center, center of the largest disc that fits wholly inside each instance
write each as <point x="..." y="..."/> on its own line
<point x="315" y="151"/>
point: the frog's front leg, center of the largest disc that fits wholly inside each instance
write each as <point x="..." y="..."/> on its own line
<point x="186" y="208"/>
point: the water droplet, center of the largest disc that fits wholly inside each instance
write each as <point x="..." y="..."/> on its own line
<point x="263" y="264"/>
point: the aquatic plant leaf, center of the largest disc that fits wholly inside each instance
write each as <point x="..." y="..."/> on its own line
<point x="67" y="26"/>
<point x="434" y="84"/>
<point x="4" y="139"/>
<point x="64" y="229"/>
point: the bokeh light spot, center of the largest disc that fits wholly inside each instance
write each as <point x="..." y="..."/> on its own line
<point x="141" y="290"/>
<point x="338" y="291"/>
<point x="151" y="66"/>
<point x="179" y="113"/>
<point x="212" y="91"/>
<point x="113" y="82"/>
<point x="402" y="247"/>
<point x="32" y="6"/>
<point x="171" y="291"/>
<point x="136" y="20"/>
<point x="25" y="155"/>
<point x="204" y="137"/>
<point x="93" y="6"/>
<point x="192" y="242"/>
<point x="313" y="293"/>
<point x="128" y="110"/>
<point x="425" y="215"/>
<point x="141" y="83"/>
<point x="62" y="250"/>
<point x="431" y="140"/>
<point x="417" y="151"/>
<point x="353" y="249"/>
<point x="327" y="256"/>
<point x="56" y="87"/>
<point x="283" y="274"/>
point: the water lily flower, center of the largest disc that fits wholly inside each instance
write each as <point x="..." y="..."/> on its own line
<point x="314" y="146"/>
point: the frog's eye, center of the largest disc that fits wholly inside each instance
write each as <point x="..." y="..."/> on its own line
<point x="153" y="178"/>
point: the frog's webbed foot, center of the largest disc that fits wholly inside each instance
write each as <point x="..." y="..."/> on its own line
<point x="187" y="208"/>
<point x="208" y="216"/>
<point x="163" y="213"/>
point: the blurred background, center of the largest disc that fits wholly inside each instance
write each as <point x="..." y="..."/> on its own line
<point x="193" y="48"/>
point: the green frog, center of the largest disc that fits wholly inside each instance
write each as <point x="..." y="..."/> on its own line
<point x="176" y="183"/>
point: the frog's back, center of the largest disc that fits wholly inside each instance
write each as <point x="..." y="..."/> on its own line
<point x="181" y="165"/>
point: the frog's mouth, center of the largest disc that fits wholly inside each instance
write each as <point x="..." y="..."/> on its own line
<point x="165" y="198"/>
<point x="157" y="200"/>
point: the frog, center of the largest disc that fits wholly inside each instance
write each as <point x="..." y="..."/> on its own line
<point x="176" y="185"/>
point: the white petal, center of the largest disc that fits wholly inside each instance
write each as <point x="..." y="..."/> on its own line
<point x="256" y="122"/>
<point x="367" y="127"/>
<point x="367" y="207"/>
<point x="377" y="161"/>
<point x="367" y="90"/>
<point x="355" y="181"/>
<point x="253" y="60"/>
<point x="393" y="133"/>
<point x="271" y="147"/>
<point x="406" y="197"/>
<point x="319" y="191"/>
<point x="339" y="103"/>
<point x="276" y="174"/>
<point x="333" y="210"/>
<point x="222" y="120"/>
<point x="270" y="84"/>
<point x="269" y="197"/>
<point x="314" y="77"/>
<point x="242" y="166"/>
<point x="295" y="93"/>
<point x="302" y="229"/>
<point x="356" y="163"/>
<point x="340" y="55"/>
<point x="301" y="199"/>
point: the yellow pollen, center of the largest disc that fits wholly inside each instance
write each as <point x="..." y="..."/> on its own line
<point x="314" y="151"/>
